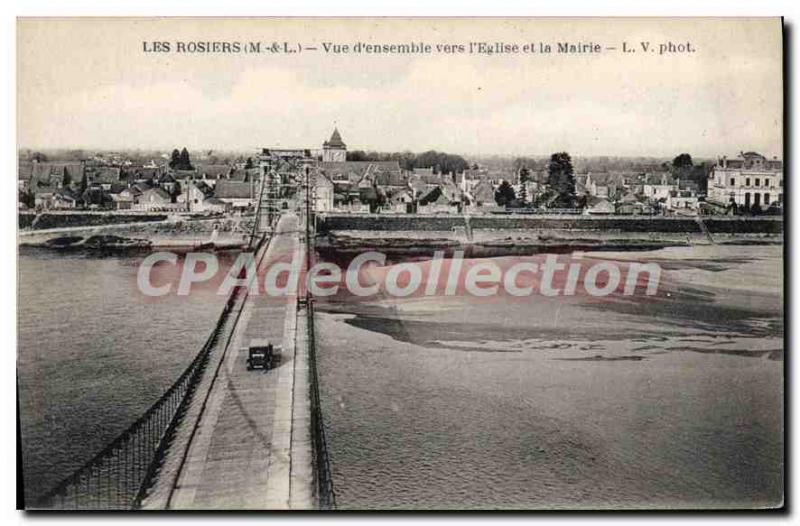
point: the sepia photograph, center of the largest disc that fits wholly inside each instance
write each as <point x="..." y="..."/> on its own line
<point x="400" y="264"/>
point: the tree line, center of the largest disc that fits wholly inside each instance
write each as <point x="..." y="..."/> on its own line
<point x="441" y="162"/>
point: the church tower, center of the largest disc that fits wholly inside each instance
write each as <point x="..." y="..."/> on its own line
<point x="334" y="150"/>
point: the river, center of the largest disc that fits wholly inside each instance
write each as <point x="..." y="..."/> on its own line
<point x="450" y="403"/>
<point x="93" y="354"/>
<point x="671" y="402"/>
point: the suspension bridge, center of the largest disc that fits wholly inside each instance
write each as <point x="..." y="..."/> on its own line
<point x="223" y="436"/>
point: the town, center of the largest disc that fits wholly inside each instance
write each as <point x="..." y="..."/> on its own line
<point x="405" y="183"/>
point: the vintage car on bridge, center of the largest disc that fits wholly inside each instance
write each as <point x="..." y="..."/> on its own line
<point x="261" y="354"/>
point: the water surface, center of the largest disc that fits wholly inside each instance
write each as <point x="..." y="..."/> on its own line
<point x="673" y="401"/>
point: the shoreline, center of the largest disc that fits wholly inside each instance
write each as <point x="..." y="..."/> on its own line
<point x="184" y="235"/>
<point x="516" y="242"/>
<point x="478" y="237"/>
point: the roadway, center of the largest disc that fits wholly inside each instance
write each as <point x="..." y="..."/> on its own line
<point x="239" y="454"/>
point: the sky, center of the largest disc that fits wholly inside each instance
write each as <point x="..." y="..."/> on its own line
<point x="88" y="83"/>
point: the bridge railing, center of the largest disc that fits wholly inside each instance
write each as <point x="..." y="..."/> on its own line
<point x="117" y="476"/>
<point x="322" y="465"/>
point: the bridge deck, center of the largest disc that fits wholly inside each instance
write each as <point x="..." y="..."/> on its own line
<point x="240" y="454"/>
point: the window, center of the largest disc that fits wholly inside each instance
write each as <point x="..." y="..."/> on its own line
<point x="747" y="182"/>
<point x="758" y="181"/>
<point x="733" y="181"/>
<point x="747" y="199"/>
<point x="766" y="199"/>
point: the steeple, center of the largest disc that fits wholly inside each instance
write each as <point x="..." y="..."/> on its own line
<point x="335" y="141"/>
<point x="334" y="150"/>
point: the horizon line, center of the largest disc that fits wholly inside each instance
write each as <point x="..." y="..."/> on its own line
<point x="258" y="149"/>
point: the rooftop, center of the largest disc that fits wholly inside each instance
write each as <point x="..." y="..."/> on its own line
<point x="335" y="141"/>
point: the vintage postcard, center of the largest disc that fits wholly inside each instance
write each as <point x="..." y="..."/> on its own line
<point x="400" y="263"/>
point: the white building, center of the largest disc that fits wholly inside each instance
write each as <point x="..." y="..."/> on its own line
<point x="334" y="150"/>
<point x="323" y="194"/>
<point x="748" y="180"/>
<point x="658" y="186"/>
<point x="683" y="201"/>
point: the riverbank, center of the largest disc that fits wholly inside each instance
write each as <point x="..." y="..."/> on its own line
<point x="175" y="233"/>
<point x="772" y="225"/>
<point x="514" y="234"/>
<point x="487" y="243"/>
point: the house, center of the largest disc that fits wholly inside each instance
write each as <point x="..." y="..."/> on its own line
<point x="239" y="194"/>
<point x="598" y="206"/>
<point x="137" y="189"/>
<point x="451" y="191"/>
<point x="55" y="175"/>
<point x="390" y="179"/>
<point x="604" y="184"/>
<point x="168" y="183"/>
<point x="103" y="176"/>
<point x="483" y="194"/>
<point x="95" y="197"/>
<point x="153" y="199"/>
<point x="195" y="196"/>
<point x="55" y="199"/>
<point x="629" y="204"/>
<point x="438" y="201"/>
<point x="146" y="174"/>
<point x="369" y="199"/>
<point x="358" y="171"/>
<point x="214" y="205"/>
<point x="121" y="196"/>
<point x="417" y="186"/>
<point x="323" y="193"/>
<point x="684" y="201"/>
<point x="658" y="186"/>
<point x="400" y="201"/>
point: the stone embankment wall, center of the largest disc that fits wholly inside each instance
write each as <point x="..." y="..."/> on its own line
<point x="78" y="219"/>
<point x="162" y="233"/>
<point x="444" y="223"/>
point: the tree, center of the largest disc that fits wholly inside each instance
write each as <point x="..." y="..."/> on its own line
<point x="523" y="193"/>
<point x="179" y="160"/>
<point x="524" y="174"/>
<point x="185" y="162"/>
<point x="38" y="157"/>
<point x="249" y="163"/>
<point x="84" y="183"/>
<point x="504" y="195"/>
<point x="67" y="179"/>
<point x="441" y="162"/>
<point x="682" y="161"/>
<point x="561" y="179"/>
<point x="358" y="155"/>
